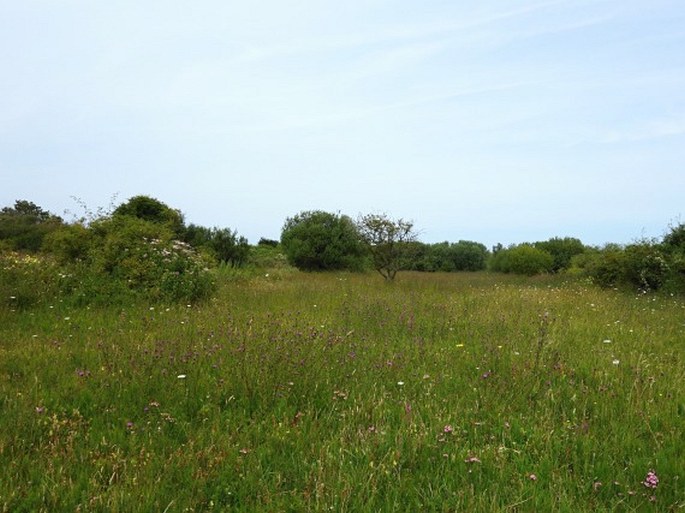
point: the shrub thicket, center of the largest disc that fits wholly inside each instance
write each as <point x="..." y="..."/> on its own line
<point x="24" y="226"/>
<point x="522" y="259"/>
<point x="645" y="266"/>
<point x="562" y="250"/>
<point x="445" y="256"/>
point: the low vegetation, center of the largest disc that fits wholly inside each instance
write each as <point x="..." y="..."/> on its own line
<point x="298" y="391"/>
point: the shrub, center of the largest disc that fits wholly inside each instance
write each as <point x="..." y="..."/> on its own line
<point x="562" y="251"/>
<point x="69" y="243"/>
<point x="522" y="259"/>
<point x="646" y="266"/>
<point x="642" y="265"/>
<point x="152" y="210"/>
<point x="606" y="267"/>
<point x="145" y="256"/>
<point x="24" y="226"/>
<point x="320" y="241"/>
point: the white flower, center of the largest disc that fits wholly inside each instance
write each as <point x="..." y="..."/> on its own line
<point x="181" y="376"/>
<point x="606" y="341"/>
<point x="615" y="361"/>
<point x="400" y="383"/>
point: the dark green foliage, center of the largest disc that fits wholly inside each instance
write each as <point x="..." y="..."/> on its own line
<point x="562" y="251"/>
<point x="675" y="239"/>
<point x="267" y="242"/>
<point x="387" y="240"/>
<point x="522" y="259"/>
<point x="152" y="210"/>
<point x="463" y="256"/>
<point x="446" y="257"/>
<point x="229" y="247"/>
<point x="643" y="265"/>
<point x="24" y="226"/>
<point x="321" y="241"/>
<point x="197" y="236"/>
<point x="223" y="244"/>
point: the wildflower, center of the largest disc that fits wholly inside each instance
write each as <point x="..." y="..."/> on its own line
<point x="40" y="409"/>
<point x="615" y="361"/>
<point x="533" y="477"/>
<point x="129" y="425"/>
<point x="651" y="480"/>
<point x="459" y="345"/>
<point x="606" y="341"/>
<point x="400" y="383"/>
<point x="181" y="376"/>
<point x="472" y="459"/>
<point x="448" y="429"/>
<point x="244" y="451"/>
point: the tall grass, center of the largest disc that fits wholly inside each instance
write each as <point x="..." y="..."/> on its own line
<point x="337" y="392"/>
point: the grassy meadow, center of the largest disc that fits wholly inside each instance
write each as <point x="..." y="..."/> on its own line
<point x="338" y="392"/>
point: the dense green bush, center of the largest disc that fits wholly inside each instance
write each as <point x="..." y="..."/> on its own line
<point x="145" y="256"/>
<point x="24" y="226"/>
<point x="522" y="259"/>
<point x="562" y="250"/>
<point x="152" y="210"/>
<point x="644" y="266"/>
<point x="224" y="244"/>
<point x="321" y="241"/>
<point x="446" y="257"/>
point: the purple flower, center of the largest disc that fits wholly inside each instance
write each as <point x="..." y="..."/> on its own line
<point x="651" y="480"/>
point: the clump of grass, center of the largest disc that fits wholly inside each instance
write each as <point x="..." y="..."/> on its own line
<point x="307" y="392"/>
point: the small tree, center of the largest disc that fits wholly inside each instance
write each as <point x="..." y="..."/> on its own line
<point x="387" y="240"/>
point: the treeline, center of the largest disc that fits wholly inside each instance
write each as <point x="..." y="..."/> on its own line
<point x="144" y="247"/>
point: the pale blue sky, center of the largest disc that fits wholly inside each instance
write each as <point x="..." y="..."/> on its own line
<point x="491" y="121"/>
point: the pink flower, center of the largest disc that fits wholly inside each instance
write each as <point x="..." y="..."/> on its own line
<point x="651" y="480"/>
<point x="533" y="477"/>
<point x="472" y="459"/>
<point x="448" y="429"/>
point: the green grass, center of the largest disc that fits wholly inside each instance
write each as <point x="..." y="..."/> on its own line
<point x="338" y="392"/>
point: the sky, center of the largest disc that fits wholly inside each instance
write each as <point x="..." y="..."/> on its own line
<point x="493" y="121"/>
